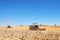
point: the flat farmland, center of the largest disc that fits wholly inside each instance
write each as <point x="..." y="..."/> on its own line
<point x="23" y="33"/>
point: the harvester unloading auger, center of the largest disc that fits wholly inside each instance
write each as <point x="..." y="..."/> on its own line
<point x="35" y="26"/>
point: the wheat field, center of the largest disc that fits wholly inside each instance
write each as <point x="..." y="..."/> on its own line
<point x="23" y="33"/>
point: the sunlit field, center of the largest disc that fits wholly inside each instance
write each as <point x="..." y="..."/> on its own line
<point x="24" y="33"/>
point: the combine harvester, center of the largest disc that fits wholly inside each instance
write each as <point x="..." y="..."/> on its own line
<point x="35" y="26"/>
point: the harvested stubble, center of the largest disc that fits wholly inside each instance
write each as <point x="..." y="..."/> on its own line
<point x="28" y="35"/>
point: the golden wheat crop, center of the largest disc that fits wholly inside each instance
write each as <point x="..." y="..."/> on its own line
<point x="23" y="33"/>
<point x="28" y="35"/>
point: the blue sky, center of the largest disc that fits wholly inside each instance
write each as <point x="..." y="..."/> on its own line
<point x="17" y="12"/>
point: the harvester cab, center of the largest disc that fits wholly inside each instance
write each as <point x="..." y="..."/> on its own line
<point x="34" y="26"/>
<point x="8" y="26"/>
